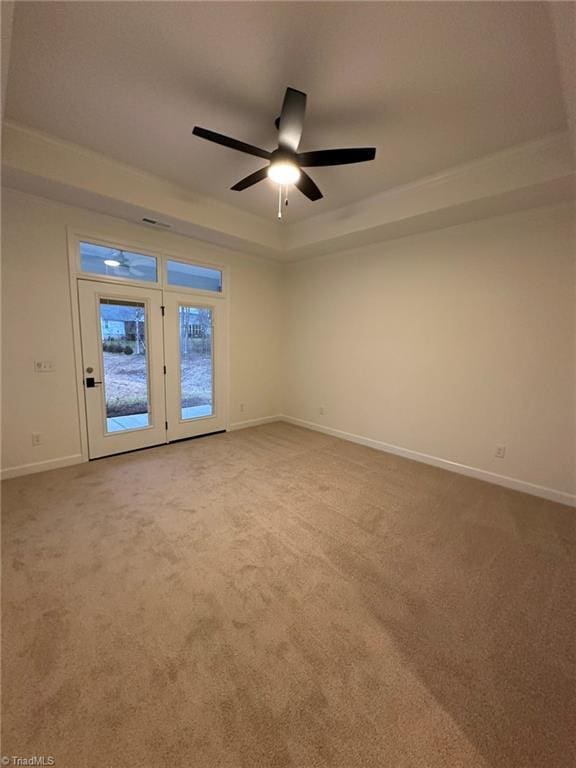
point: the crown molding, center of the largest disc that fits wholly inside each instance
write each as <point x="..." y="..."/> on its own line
<point x="57" y="163"/>
<point x="531" y="174"/>
<point x="534" y="164"/>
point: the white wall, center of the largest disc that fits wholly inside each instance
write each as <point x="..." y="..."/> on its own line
<point x="446" y="343"/>
<point x="37" y="325"/>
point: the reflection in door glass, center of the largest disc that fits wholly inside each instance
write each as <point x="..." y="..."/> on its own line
<point x="124" y="352"/>
<point x="196" y="366"/>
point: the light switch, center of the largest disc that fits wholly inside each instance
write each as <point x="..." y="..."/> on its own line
<point x="43" y="366"/>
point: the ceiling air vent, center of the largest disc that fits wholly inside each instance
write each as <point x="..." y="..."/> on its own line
<point x="155" y="223"/>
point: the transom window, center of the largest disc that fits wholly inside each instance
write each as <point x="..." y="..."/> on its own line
<point x="114" y="262"/>
<point x="193" y="276"/>
<point x="121" y="264"/>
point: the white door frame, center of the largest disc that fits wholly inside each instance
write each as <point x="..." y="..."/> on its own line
<point x="74" y="237"/>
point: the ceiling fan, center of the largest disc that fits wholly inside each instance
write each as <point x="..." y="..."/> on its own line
<point x="120" y="260"/>
<point x="286" y="163"/>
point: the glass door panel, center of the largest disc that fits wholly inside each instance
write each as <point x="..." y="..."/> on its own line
<point x="124" y="364"/>
<point x="196" y="362"/>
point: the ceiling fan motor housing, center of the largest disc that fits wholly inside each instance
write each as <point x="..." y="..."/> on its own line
<point x="281" y="155"/>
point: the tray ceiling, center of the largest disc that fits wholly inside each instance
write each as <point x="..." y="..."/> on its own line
<point x="431" y="85"/>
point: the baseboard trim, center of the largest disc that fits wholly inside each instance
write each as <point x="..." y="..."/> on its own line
<point x="254" y="422"/>
<point x="41" y="466"/>
<point x="462" y="469"/>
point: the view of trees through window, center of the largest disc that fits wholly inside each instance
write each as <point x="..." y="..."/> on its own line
<point x="195" y="359"/>
<point x="123" y="330"/>
<point x="124" y="352"/>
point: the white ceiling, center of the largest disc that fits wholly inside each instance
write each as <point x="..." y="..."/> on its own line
<point x="431" y="85"/>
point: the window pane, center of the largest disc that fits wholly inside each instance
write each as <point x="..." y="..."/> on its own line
<point x="124" y="351"/>
<point x="196" y="366"/>
<point x="192" y="276"/>
<point x="112" y="262"/>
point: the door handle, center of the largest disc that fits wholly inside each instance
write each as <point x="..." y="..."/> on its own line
<point x="90" y="382"/>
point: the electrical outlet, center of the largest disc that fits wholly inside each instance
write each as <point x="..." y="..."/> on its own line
<point x="500" y="452"/>
<point x="322" y="410"/>
<point x="241" y="407"/>
<point x="37" y="438"/>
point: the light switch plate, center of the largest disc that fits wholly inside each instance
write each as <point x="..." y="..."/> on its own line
<point x="43" y="366"/>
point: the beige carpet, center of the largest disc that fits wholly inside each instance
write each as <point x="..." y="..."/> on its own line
<point x="276" y="597"/>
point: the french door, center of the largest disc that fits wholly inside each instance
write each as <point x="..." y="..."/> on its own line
<point x="194" y="349"/>
<point x="153" y="366"/>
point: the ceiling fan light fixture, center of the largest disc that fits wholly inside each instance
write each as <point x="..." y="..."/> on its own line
<point x="284" y="172"/>
<point x="112" y="262"/>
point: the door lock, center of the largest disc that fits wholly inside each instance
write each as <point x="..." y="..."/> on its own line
<point x="90" y="382"/>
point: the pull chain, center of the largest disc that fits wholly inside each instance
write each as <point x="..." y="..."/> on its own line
<point x="282" y="200"/>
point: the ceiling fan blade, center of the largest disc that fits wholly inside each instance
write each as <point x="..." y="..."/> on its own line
<point x="254" y="178"/>
<point x="307" y="187"/>
<point x="291" y="120"/>
<point x="336" y="156"/>
<point x="226" y="141"/>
